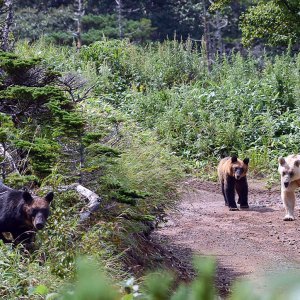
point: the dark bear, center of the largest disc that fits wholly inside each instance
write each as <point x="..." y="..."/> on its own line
<point x="232" y="175"/>
<point x="22" y="214"/>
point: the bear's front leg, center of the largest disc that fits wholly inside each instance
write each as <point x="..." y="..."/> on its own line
<point x="241" y="187"/>
<point x="229" y="190"/>
<point x="289" y="200"/>
<point x="23" y="237"/>
<point x="4" y="238"/>
<point x="223" y="192"/>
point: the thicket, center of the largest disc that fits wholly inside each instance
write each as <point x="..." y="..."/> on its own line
<point x="35" y="115"/>
<point x="203" y="110"/>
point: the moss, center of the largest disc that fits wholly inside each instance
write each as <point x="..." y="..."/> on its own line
<point x="98" y="149"/>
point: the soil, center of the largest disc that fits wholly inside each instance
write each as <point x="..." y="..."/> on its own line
<point x="246" y="244"/>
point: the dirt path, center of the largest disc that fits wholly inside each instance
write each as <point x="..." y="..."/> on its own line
<point x="246" y="244"/>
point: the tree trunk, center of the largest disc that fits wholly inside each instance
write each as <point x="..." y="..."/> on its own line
<point x="120" y="18"/>
<point x="79" y="14"/>
<point x="7" y="157"/>
<point x="81" y="160"/>
<point x="218" y="34"/>
<point x="205" y="38"/>
<point x="7" y="24"/>
<point x="218" y="23"/>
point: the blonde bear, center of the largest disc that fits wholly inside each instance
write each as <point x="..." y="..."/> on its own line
<point x="289" y="169"/>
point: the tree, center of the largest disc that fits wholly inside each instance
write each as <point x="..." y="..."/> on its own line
<point x="7" y="7"/>
<point x="205" y="25"/>
<point x="36" y="116"/>
<point x="79" y="14"/>
<point x="119" y="9"/>
<point x="275" y="22"/>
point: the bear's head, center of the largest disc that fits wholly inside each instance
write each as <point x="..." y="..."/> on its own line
<point x="288" y="167"/>
<point x="37" y="209"/>
<point x="239" y="167"/>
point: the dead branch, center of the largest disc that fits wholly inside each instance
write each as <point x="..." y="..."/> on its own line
<point x="72" y="84"/>
<point x="93" y="199"/>
<point x="7" y="157"/>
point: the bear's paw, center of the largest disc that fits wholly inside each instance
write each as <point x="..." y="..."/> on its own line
<point x="244" y="206"/>
<point x="233" y="208"/>
<point x="288" y="218"/>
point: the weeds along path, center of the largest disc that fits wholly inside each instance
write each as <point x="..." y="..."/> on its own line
<point x="246" y="243"/>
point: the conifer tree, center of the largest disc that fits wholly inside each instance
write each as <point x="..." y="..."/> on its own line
<point x="39" y="111"/>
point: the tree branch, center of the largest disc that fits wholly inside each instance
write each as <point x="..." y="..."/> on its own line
<point x="93" y="199"/>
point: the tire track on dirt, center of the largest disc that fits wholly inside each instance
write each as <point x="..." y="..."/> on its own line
<point x="246" y="243"/>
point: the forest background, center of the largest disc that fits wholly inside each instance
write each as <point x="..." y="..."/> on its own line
<point x="126" y="98"/>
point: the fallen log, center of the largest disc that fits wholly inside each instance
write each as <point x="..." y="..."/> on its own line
<point x="94" y="200"/>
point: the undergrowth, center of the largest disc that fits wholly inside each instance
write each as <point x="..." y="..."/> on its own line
<point x="243" y="105"/>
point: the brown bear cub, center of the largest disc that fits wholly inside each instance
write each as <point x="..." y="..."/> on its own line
<point x="22" y="214"/>
<point x="232" y="175"/>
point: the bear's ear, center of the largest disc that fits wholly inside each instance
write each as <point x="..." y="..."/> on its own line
<point x="49" y="197"/>
<point x="297" y="163"/>
<point x="27" y="197"/>
<point x="233" y="159"/>
<point x="281" y="161"/>
<point x="246" y="161"/>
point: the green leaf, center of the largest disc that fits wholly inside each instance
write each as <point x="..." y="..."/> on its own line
<point x="41" y="290"/>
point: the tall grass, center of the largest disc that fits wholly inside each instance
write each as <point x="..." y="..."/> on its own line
<point x="243" y="105"/>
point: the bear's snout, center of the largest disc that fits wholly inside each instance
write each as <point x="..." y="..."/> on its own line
<point x="238" y="173"/>
<point x="39" y="222"/>
<point x="39" y="226"/>
<point x="286" y="184"/>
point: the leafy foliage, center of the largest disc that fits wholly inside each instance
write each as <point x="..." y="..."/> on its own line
<point x="132" y="171"/>
<point x="141" y="21"/>
<point x="273" y="22"/>
<point x="92" y="284"/>
<point x="97" y="26"/>
<point x="259" y="23"/>
<point x="56" y="24"/>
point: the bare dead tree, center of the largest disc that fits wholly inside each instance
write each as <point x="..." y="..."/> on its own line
<point x="218" y="23"/>
<point x="8" y="7"/>
<point x="120" y="17"/>
<point x="78" y="17"/>
<point x="206" y="33"/>
<point x="76" y="86"/>
<point x="213" y="24"/>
